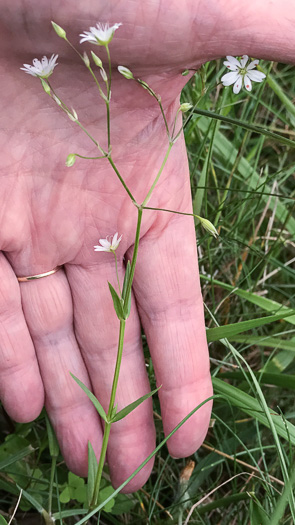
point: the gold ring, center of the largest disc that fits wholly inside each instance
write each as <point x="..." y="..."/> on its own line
<point x="39" y="275"/>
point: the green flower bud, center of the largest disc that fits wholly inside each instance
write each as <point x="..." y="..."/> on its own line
<point x="185" y="73"/>
<point x="125" y="72"/>
<point x="103" y="75"/>
<point x="71" y="159"/>
<point x="96" y="59"/>
<point x="186" y="106"/>
<point x="209" y="227"/>
<point x="73" y="116"/>
<point x="59" y="30"/>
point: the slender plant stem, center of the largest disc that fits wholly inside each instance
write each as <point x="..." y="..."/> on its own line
<point x="118" y="280"/>
<point x="120" y="178"/>
<point x="134" y="257"/>
<point x="52" y="472"/>
<point x="107" y="427"/>
<point x="158" y="175"/>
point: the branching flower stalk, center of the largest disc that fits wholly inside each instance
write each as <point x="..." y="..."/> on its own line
<point x="102" y="35"/>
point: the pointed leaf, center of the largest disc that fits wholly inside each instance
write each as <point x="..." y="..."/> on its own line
<point x="32" y="500"/>
<point x="221" y="332"/>
<point x="92" y="469"/>
<point x="2" y="520"/>
<point x="125" y="411"/>
<point x="52" y="441"/>
<point x="117" y="303"/>
<point x="126" y="279"/>
<point x="92" y="398"/>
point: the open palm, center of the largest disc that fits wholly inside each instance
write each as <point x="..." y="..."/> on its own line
<point x="53" y="215"/>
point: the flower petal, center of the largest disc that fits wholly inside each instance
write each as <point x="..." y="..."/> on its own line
<point x="238" y="85"/>
<point x="115" y="239"/>
<point x="230" y="78"/>
<point x="233" y="61"/>
<point x="244" y="60"/>
<point x="253" y="64"/>
<point x="230" y="66"/>
<point x="99" y="249"/>
<point x="247" y="83"/>
<point x="105" y="243"/>
<point x="256" y="76"/>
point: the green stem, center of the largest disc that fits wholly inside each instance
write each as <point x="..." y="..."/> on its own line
<point x="158" y="175"/>
<point x="134" y="256"/>
<point x="117" y="274"/>
<point x="52" y="472"/>
<point x="107" y="427"/>
<point x="120" y="178"/>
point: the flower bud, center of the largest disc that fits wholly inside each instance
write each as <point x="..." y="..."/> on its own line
<point x="185" y="73"/>
<point x="45" y="86"/>
<point x="209" y="227"/>
<point x="186" y="106"/>
<point x="59" y="30"/>
<point x="103" y="75"/>
<point x="125" y="72"/>
<point x="96" y="59"/>
<point x="86" y="59"/>
<point x="56" y="99"/>
<point x="73" y="116"/>
<point x="71" y="159"/>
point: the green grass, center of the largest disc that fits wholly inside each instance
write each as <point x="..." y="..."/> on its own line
<point x="242" y="181"/>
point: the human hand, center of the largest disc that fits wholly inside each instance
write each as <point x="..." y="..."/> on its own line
<point x="52" y="215"/>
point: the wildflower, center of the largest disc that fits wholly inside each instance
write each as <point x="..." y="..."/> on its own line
<point x="108" y="245"/>
<point x="41" y="69"/>
<point x="125" y="72"/>
<point x="101" y="35"/>
<point x="241" y="72"/>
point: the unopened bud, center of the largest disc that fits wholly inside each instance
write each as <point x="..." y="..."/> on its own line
<point x="103" y="75"/>
<point x="209" y="227"/>
<point x="45" y="86"/>
<point x="186" y="106"/>
<point x="185" y="73"/>
<point x="125" y="72"/>
<point x="59" y="30"/>
<point x="96" y="59"/>
<point x="73" y="116"/>
<point x="71" y="159"/>
<point x="56" y="99"/>
<point x="86" y="59"/>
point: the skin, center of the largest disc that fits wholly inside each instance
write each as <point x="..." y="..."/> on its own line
<point x="53" y="215"/>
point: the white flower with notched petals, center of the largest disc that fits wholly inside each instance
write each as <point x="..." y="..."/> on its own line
<point x="240" y="72"/>
<point x="41" y="68"/>
<point x="101" y="35"/>
<point x="110" y="244"/>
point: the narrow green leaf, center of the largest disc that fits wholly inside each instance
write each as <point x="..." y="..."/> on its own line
<point x="117" y="303"/>
<point x="2" y="520"/>
<point x="33" y="501"/>
<point x="282" y="380"/>
<point x="252" y="407"/>
<point x="92" y="469"/>
<point x="125" y="411"/>
<point x="52" y="441"/>
<point x="92" y="398"/>
<point x="126" y="279"/>
<point x="263" y="302"/>
<point x="271" y="342"/>
<point x="282" y="503"/>
<point x="221" y="332"/>
<point x="16" y="457"/>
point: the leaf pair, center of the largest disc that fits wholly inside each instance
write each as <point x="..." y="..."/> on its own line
<point x="122" y="304"/>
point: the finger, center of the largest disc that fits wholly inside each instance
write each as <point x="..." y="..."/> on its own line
<point x="47" y="305"/>
<point x="97" y="328"/>
<point x="170" y="305"/>
<point x="21" y="388"/>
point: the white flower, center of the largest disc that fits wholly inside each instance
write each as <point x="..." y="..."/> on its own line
<point x="108" y="245"/>
<point x="43" y="68"/>
<point x="241" y="72"/>
<point x="100" y="35"/>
